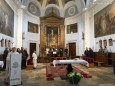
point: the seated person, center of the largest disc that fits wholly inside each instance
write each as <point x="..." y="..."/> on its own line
<point x="105" y="51"/>
<point x="90" y="53"/>
<point x="69" y="68"/>
<point x="101" y="49"/>
<point x="86" y="53"/>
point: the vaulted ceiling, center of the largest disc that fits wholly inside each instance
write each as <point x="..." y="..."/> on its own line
<point x="62" y="8"/>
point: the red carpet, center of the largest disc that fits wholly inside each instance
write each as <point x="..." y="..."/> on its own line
<point x="49" y="75"/>
<point x="86" y="75"/>
<point x="60" y="70"/>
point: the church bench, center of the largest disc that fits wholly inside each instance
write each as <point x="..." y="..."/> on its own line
<point x="90" y="61"/>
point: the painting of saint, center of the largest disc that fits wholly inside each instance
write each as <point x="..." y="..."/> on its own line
<point x="110" y="42"/>
<point x="100" y="43"/>
<point x="52" y="37"/>
<point x="104" y="21"/>
<point x="32" y="27"/>
<point x="6" y="19"/>
<point x="105" y="43"/>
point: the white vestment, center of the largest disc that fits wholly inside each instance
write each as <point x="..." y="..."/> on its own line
<point x="8" y="61"/>
<point x="34" y="60"/>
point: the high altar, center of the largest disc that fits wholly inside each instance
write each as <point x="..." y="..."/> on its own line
<point x="52" y="33"/>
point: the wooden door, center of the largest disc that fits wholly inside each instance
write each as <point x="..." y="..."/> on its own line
<point x="72" y="49"/>
<point x="32" y="48"/>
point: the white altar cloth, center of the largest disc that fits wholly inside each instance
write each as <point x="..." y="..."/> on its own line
<point x="74" y="61"/>
<point x="1" y="64"/>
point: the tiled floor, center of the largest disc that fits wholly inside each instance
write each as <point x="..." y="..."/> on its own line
<point x="101" y="76"/>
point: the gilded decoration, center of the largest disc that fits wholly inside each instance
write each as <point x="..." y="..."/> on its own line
<point x="52" y="32"/>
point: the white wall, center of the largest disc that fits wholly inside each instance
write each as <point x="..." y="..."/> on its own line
<point x="76" y="37"/>
<point x="30" y="37"/>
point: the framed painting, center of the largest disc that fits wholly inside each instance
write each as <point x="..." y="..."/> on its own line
<point x="2" y="42"/>
<point x="6" y="19"/>
<point x="32" y="27"/>
<point x="9" y="43"/>
<point x="110" y="42"/>
<point x="104" y="21"/>
<point x="105" y="43"/>
<point x="6" y="43"/>
<point x="100" y="43"/>
<point x="52" y="37"/>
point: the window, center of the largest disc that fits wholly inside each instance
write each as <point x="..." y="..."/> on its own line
<point x="72" y="28"/>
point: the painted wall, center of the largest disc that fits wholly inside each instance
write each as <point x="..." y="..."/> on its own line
<point x="94" y="42"/>
<point x="13" y="42"/>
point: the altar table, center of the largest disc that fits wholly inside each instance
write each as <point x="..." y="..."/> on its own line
<point x="74" y="61"/>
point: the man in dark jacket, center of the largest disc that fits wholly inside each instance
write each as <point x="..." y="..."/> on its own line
<point x="24" y="57"/>
<point x="4" y="57"/>
<point x="86" y="53"/>
<point x="90" y="53"/>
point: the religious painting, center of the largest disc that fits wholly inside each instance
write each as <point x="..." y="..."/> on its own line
<point x="32" y="27"/>
<point x="52" y="37"/>
<point x="6" y="19"/>
<point x="6" y="43"/>
<point x="110" y="42"/>
<point x="100" y="43"/>
<point x="105" y="43"/>
<point x="9" y="43"/>
<point x="104" y="21"/>
<point x="52" y="2"/>
<point x="2" y="42"/>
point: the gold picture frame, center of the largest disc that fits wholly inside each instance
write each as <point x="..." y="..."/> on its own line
<point x="100" y="43"/>
<point x="105" y="43"/>
<point x="110" y="42"/>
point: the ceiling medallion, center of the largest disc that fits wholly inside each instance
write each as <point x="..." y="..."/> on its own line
<point x="71" y="11"/>
<point x="33" y="8"/>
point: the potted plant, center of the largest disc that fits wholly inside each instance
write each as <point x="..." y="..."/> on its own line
<point x="74" y="77"/>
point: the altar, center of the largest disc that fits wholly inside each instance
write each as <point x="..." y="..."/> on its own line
<point x="73" y="61"/>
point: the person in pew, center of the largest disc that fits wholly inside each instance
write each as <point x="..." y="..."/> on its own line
<point x="4" y="57"/>
<point x="90" y="53"/>
<point x="86" y="53"/>
<point x="101" y="49"/>
<point x="105" y="51"/>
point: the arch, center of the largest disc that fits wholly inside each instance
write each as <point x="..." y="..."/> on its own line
<point x="48" y="10"/>
<point x="34" y="8"/>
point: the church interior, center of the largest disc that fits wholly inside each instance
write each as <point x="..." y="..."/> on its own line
<point x="51" y="34"/>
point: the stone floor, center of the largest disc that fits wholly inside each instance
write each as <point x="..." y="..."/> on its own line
<point x="101" y="76"/>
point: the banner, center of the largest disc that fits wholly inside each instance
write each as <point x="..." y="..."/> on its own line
<point x="15" y="69"/>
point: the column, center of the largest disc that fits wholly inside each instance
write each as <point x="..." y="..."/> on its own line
<point x="19" y="28"/>
<point x="87" y="30"/>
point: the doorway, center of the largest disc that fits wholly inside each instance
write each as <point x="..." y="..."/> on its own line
<point x="72" y="49"/>
<point x="32" y="48"/>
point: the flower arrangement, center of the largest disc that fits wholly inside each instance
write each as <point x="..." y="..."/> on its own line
<point x="74" y="77"/>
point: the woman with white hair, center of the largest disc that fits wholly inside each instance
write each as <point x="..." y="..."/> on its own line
<point x="34" y="60"/>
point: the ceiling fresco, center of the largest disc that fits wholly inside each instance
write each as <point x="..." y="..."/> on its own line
<point x="56" y="2"/>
